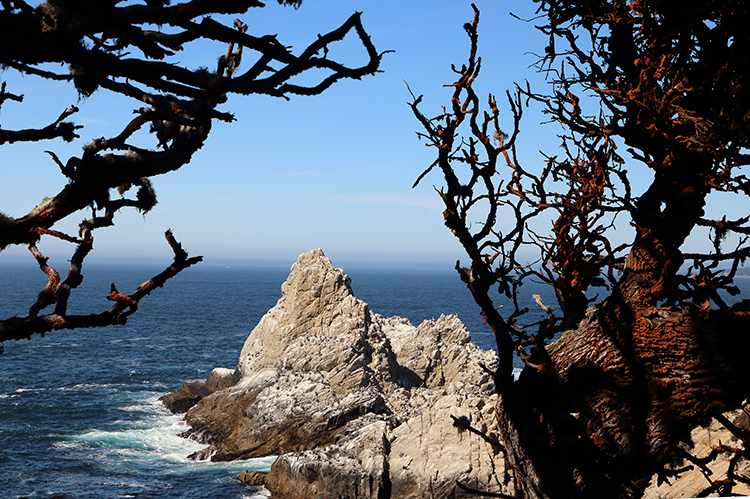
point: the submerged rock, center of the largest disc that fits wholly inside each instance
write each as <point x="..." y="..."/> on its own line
<point x="355" y="405"/>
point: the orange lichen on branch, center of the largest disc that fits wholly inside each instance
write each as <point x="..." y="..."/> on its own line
<point x="115" y="295"/>
<point x="48" y="294"/>
<point x="17" y="328"/>
<point x="651" y="360"/>
<point x="57" y="234"/>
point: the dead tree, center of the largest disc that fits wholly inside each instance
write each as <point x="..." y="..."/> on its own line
<point x="610" y="402"/>
<point x="129" y="48"/>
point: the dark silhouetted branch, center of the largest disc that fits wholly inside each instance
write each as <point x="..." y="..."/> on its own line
<point x="17" y="328"/>
<point x="113" y="46"/>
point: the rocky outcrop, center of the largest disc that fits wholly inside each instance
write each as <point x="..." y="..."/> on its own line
<point x="186" y="397"/>
<point x="252" y="478"/>
<point x="179" y="401"/>
<point x="357" y="467"/>
<point x="219" y="378"/>
<point x="355" y="405"/>
<point x="429" y="453"/>
<point x="716" y="447"/>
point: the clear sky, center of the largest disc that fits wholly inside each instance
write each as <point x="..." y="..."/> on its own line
<point x="331" y="171"/>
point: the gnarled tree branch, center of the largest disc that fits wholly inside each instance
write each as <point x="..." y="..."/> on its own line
<point x="110" y="46"/>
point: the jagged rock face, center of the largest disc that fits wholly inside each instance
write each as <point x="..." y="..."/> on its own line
<point x="428" y="452"/>
<point x="341" y="394"/>
<point x="357" y="467"/>
<point x="694" y="481"/>
<point x="304" y="371"/>
<point x="312" y="323"/>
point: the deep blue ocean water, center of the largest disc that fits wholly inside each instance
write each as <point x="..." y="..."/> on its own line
<point x="79" y="410"/>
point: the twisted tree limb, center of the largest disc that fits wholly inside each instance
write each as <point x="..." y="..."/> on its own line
<point x="17" y="328"/>
<point x="113" y="47"/>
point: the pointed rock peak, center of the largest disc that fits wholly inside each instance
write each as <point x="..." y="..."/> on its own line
<point x="353" y="401"/>
<point x="313" y="278"/>
<point x="311" y="256"/>
<point x="316" y="302"/>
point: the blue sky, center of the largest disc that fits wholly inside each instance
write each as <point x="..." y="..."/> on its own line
<point x="331" y="171"/>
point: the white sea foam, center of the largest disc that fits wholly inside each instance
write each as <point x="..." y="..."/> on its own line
<point x="150" y="440"/>
<point x="89" y="386"/>
<point x="20" y="392"/>
<point x="262" y="493"/>
<point x="138" y="408"/>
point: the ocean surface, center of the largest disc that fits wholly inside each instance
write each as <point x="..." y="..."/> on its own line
<point x="79" y="410"/>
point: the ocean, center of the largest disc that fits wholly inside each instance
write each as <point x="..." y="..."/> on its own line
<point x="79" y="410"/>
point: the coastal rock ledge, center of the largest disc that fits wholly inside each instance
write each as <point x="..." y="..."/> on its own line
<point x="354" y="404"/>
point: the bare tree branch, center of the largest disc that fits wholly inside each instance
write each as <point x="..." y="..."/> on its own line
<point x="107" y="45"/>
<point x="17" y="328"/>
<point x="613" y="385"/>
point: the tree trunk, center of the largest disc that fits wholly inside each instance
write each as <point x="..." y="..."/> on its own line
<point x="628" y="385"/>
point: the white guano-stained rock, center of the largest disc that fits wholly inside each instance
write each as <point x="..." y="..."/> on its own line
<point x="429" y="453"/>
<point x="355" y="405"/>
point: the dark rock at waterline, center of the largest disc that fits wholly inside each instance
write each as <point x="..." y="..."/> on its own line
<point x="201" y="455"/>
<point x="187" y="396"/>
<point x="180" y="401"/>
<point x="253" y="478"/>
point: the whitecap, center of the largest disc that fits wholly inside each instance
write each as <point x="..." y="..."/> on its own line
<point x="156" y="384"/>
<point x="86" y="386"/>
<point x="20" y="392"/>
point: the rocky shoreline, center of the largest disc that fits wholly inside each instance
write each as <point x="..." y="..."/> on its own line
<point x="356" y="405"/>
